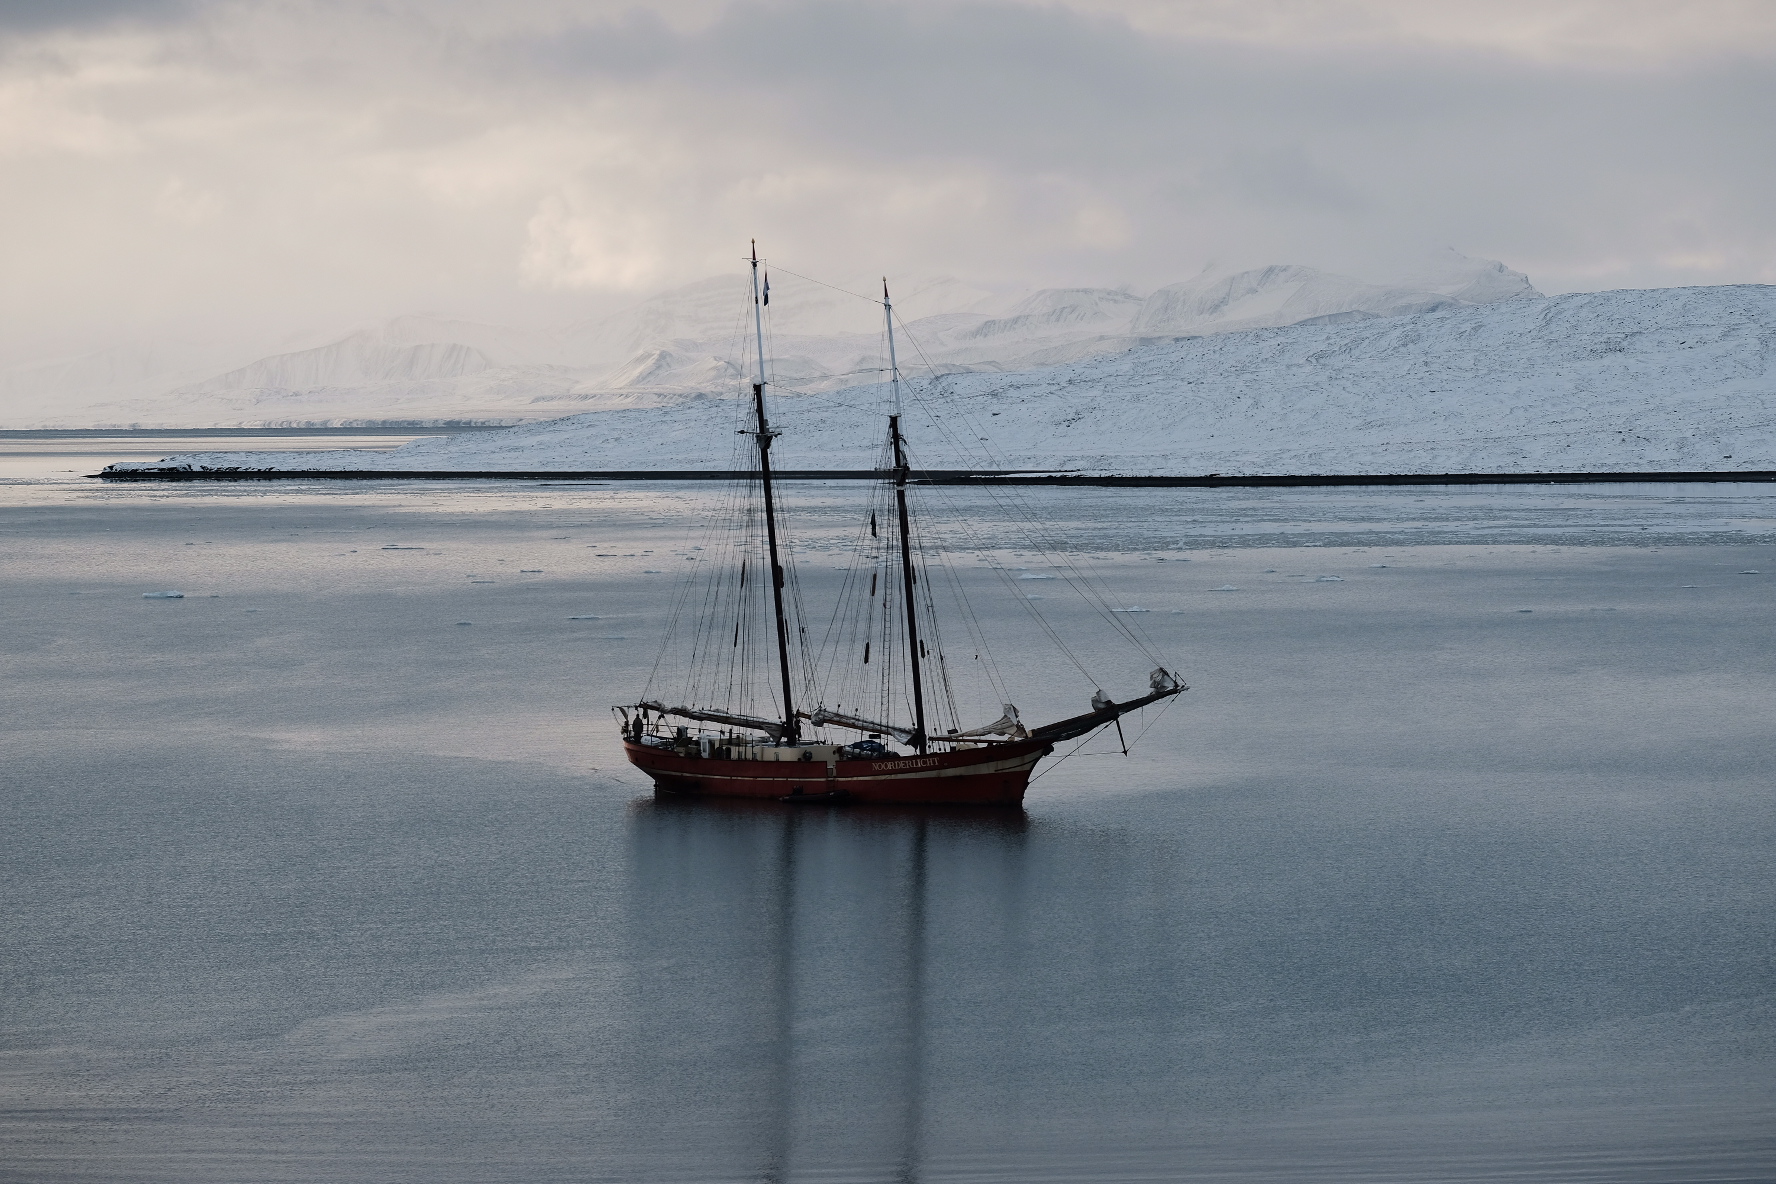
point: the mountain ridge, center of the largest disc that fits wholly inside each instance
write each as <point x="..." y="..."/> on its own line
<point x="1674" y="379"/>
<point x="692" y="342"/>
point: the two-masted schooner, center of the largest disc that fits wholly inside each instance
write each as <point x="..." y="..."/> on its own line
<point x="789" y="754"/>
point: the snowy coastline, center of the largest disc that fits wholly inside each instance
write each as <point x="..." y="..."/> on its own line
<point x="1663" y="380"/>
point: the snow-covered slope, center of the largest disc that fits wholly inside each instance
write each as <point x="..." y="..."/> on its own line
<point x="1664" y="380"/>
<point x="692" y="341"/>
<point x="1272" y="297"/>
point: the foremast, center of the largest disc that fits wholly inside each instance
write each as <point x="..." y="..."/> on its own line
<point x="791" y="733"/>
<point x="908" y="574"/>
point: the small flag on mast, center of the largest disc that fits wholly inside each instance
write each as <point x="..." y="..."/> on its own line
<point x="767" y="287"/>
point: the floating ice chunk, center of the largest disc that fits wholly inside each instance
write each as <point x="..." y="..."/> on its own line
<point x="1034" y="576"/>
<point x="650" y="571"/>
<point x="1328" y="579"/>
<point x="1751" y="573"/>
<point x="465" y="622"/>
<point x="1134" y="608"/>
<point x="1526" y="610"/>
<point x="1225" y="588"/>
<point x="1378" y="565"/>
<point x="480" y="581"/>
<point x="530" y="571"/>
<point x="168" y="595"/>
<point x="1689" y="585"/>
<point x="392" y="547"/>
<point x="590" y="618"/>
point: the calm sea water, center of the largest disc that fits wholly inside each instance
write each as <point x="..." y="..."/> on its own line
<point x="332" y="870"/>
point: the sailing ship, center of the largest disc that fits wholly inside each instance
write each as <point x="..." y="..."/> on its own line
<point x="789" y="752"/>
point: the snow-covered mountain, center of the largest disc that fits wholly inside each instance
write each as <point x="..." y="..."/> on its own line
<point x="692" y="343"/>
<point x="1272" y="297"/>
<point x="1676" y="379"/>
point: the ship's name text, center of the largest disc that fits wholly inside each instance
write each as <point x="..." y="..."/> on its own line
<point x="924" y="762"/>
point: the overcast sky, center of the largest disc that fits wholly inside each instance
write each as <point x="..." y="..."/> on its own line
<point x="268" y="170"/>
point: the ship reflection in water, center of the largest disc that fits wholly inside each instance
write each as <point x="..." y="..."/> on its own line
<point x="862" y="994"/>
<point x="788" y="954"/>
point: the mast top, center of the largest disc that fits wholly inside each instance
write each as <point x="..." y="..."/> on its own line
<point x="893" y="364"/>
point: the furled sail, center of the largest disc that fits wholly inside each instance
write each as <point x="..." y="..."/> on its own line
<point x="823" y="717"/>
<point x="1103" y="711"/>
<point x="771" y="727"/>
<point x="1006" y="725"/>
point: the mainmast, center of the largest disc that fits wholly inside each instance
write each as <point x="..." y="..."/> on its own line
<point x="764" y="434"/>
<point x="908" y="576"/>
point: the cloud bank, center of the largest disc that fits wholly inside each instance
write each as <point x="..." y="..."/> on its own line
<point x="269" y="174"/>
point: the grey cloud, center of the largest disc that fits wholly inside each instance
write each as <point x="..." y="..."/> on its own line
<point x="35" y="16"/>
<point x="1439" y="144"/>
<point x="325" y="161"/>
<point x="1016" y="83"/>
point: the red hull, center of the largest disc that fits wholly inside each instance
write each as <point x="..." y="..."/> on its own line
<point x="994" y="775"/>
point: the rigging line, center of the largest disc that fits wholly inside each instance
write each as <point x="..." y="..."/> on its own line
<point x="976" y="632"/>
<point x="839" y="374"/>
<point x="936" y="561"/>
<point x="1090" y="584"/>
<point x="1023" y="601"/>
<point x="705" y="620"/>
<point x="728" y="595"/>
<point x="1028" y="605"/>
<point x="840" y="641"/>
<point x="1089" y="587"/>
<point x="1087" y="739"/>
<point x="740" y="659"/>
<point x="1082" y="581"/>
<point x="798" y="614"/>
<point x="1083" y="741"/>
<point x="826" y="399"/>
<point x="975" y="441"/>
<point x="925" y="358"/>
<point x="699" y="640"/>
<point x="974" y="445"/>
<point x="930" y="560"/>
<point x="1159" y="715"/>
<point x="1095" y="593"/>
<point x="680" y="599"/>
<point x="931" y="639"/>
<point x="822" y="283"/>
<point x="1089" y="590"/>
<point x="850" y="622"/>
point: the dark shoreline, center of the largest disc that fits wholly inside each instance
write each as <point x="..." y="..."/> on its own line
<point x="948" y="477"/>
<point x="381" y="427"/>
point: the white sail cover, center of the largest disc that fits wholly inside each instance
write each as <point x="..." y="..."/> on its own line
<point x="1006" y="725"/>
